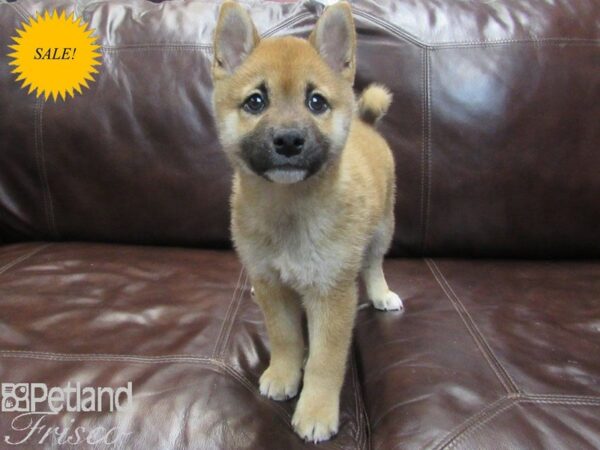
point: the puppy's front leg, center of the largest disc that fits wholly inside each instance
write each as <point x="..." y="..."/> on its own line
<point x="330" y="321"/>
<point x="282" y="310"/>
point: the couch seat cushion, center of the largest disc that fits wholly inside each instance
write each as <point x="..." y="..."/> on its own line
<point x="488" y="354"/>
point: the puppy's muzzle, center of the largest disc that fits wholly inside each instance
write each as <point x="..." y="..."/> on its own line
<point x="285" y="154"/>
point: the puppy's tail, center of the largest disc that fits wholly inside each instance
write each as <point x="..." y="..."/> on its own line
<point x="374" y="102"/>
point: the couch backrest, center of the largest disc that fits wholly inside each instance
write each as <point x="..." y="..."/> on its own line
<point x="495" y="125"/>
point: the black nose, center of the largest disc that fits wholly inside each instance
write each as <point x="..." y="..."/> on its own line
<point x="288" y="142"/>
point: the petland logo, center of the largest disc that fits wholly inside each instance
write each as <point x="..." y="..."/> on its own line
<point x="34" y="402"/>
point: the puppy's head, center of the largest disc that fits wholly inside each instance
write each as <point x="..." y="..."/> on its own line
<point x="283" y="105"/>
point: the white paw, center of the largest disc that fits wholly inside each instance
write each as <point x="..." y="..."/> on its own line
<point x="281" y="384"/>
<point x="388" y="302"/>
<point x="316" y="422"/>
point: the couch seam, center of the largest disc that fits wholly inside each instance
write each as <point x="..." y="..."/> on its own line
<point x="20" y="11"/>
<point x="470" y="421"/>
<point x="286" y="23"/>
<point x="537" y="401"/>
<point x="197" y="46"/>
<point x="505" y="371"/>
<point x="141" y="359"/>
<point x="502" y="374"/>
<point x="234" y="316"/>
<point x="398" y="32"/>
<point x="157" y="359"/>
<point x="503" y="42"/>
<point x="217" y="349"/>
<point x="362" y="420"/>
<point x="476" y="426"/>
<point x="289" y="21"/>
<point x="157" y="46"/>
<point x="426" y="182"/>
<point x="563" y="397"/>
<point x="219" y="365"/>
<point x="394" y="29"/>
<point x="358" y="419"/>
<point x="423" y="141"/>
<point x="411" y="38"/>
<point x="22" y="258"/>
<point x="42" y="171"/>
<point x="513" y="399"/>
<point x="39" y="146"/>
<point x="429" y="152"/>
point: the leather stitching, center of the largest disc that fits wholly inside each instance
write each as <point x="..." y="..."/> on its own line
<point x="100" y="356"/>
<point x="563" y="397"/>
<point x="212" y="363"/>
<point x="22" y="258"/>
<point x="428" y="148"/>
<point x="358" y="417"/>
<point x="20" y="11"/>
<point x="159" y="359"/>
<point x="290" y="21"/>
<point x="503" y="42"/>
<point x="472" y="420"/>
<point x="234" y="316"/>
<point x="515" y="400"/>
<point x="393" y="29"/>
<point x="561" y="402"/>
<point x="158" y="46"/>
<point x="423" y="139"/>
<point x="362" y="421"/>
<point x="41" y="163"/>
<point x="286" y="23"/>
<point x="411" y="38"/>
<point x="217" y="349"/>
<point x="475" y="422"/>
<point x="197" y="46"/>
<point x="478" y="425"/>
<point x="506" y="372"/>
<point x="503" y="376"/>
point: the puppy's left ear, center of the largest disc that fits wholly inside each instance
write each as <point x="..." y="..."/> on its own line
<point x="235" y="38"/>
<point x="334" y="37"/>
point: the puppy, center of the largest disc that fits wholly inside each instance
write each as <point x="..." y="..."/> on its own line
<point x="313" y="197"/>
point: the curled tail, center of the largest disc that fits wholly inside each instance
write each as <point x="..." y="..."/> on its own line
<point x="373" y="103"/>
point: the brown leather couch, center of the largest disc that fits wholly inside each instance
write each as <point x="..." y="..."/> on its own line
<point x="115" y="262"/>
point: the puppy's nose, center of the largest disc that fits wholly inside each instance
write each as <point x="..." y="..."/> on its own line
<point x="288" y="142"/>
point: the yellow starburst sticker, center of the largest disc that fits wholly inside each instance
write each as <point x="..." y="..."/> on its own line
<point x="55" y="55"/>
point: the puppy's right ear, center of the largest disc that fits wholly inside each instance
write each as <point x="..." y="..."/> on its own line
<point x="235" y="38"/>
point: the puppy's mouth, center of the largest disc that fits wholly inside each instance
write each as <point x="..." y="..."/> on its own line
<point x="286" y="174"/>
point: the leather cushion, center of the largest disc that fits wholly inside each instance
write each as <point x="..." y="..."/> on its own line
<point x="486" y="350"/>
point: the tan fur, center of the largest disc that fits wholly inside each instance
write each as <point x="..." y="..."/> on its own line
<point x="374" y="102"/>
<point x="304" y="244"/>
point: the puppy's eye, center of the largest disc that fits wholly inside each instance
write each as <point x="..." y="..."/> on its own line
<point x="317" y="103"/>
<point x="255" y="104"/>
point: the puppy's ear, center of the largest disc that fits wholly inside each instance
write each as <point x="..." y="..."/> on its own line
<point x="334" y="37"/>
<point x="235" y="38"/>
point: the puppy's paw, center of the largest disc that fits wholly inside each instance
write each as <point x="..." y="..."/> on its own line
<point x="316" y="421"/>
<point x="388" y="302"/>
<point x="280" y="383"/>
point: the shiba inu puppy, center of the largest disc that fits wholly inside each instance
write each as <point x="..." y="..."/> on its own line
<point x="313" y="197"/>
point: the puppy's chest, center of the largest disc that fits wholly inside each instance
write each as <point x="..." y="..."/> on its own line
<point x="300" y="251"/>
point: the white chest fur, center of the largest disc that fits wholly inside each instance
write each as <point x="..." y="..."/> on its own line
<point x="303" y="249"/>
